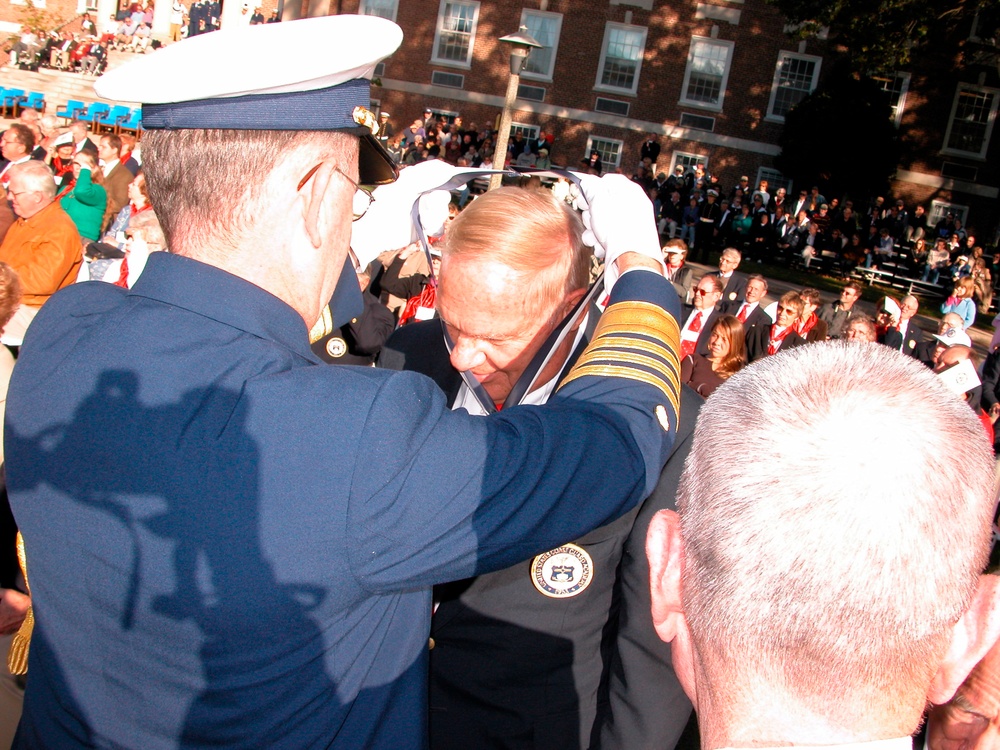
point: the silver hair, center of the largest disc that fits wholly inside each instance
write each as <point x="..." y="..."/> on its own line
<point x="816" y="564"/>
<point x="36" y="176"/>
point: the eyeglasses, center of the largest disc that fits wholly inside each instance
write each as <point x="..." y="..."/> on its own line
<point x="363" y="198"/>
<point x="15" y="194"/>
<point x="706" y="292"/>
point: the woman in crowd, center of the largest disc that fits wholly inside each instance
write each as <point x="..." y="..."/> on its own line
<point x="810" y="327"/>
<point x="88" y="200"/>
<point x="726" y="356"/>
<point x="960" y="302"/>
<point x="982" y="280"/>
<point x="919" y="251"/>
<point x="138" y="202"/>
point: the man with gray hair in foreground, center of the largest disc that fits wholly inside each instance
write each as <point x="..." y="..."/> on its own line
<point x="807" y="605"/>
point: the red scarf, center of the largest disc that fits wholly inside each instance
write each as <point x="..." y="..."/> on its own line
<point x="807" y="325"/>
<point x="775" y="341"/>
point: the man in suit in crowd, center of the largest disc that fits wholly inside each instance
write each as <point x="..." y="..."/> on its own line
<point x="700" y="316"/>
<point x="734" y="283"/>
<point x="803" y="617"/>
<point x="518" y="655"/>
<point x="116" y="175"/>
<point x="748" y="310"/>
<point x="912" y="334"/>
<point x="81" y="139"/>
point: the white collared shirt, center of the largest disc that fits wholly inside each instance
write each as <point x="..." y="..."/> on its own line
<point x="107" y="166"/>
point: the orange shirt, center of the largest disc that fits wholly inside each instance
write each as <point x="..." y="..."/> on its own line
<point x="45" y="251"/>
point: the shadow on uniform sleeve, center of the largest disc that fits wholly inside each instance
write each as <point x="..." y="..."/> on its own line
<point x="159" y="618"/>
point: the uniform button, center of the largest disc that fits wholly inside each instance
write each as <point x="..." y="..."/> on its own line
<point x="430" y="644"/>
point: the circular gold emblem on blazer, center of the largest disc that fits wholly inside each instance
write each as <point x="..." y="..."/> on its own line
<point x="336" y="347"/>
<point x="562" y="572"/>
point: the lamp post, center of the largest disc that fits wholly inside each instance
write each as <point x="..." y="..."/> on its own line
<point x="522" y="44"/>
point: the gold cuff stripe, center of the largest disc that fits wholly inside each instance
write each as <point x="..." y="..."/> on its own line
<point x="640" y="360"/>
<point x="628" y="373"/>
<point x="652" y="348"/>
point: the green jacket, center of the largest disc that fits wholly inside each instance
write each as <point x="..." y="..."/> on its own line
<point x="85" y="204"/>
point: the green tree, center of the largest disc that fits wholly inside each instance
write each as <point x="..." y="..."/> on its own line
<point x="882" y="35"/>
<point x="841" y="137"/>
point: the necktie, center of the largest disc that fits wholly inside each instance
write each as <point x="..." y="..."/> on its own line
<point x="742" y="317"/>
<point x="688" y="345"/>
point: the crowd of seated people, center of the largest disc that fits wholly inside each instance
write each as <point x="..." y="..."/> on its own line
<point x="435" y="137"/>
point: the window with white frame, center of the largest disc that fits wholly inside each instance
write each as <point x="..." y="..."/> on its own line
<point x="609" y="149"/>
<point x="971" y="124"/>
<point x="688" y="161"/>
<point x="941" y="209"/>
<point x="545" y="28"/>
<point x="381" y="8"/>
<point x="455" y="33"/>
<point x="621" y="58"/>
<point x="895" y="87"/>
<point x="707" y="73"/>
<point x="795" y="77"/>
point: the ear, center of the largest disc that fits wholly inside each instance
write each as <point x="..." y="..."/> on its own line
<point x="664" y="550"/>
<point x="570" y="302"/>
<point x="972" y="637"/>
<point x="314" y="193"/>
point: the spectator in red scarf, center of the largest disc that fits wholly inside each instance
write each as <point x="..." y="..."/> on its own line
<point x="769" y="339"/>
<point x="810" y="327"/>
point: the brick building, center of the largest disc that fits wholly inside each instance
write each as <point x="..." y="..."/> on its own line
<point x="711" y="79"/>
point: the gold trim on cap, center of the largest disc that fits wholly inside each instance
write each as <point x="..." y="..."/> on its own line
<point x="366" y="118"/>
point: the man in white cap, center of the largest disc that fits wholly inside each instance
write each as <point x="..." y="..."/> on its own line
<point x="251" y="565"/>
